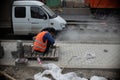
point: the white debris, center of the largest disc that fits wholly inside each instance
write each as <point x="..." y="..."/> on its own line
<point x="56" y="73"/>
<point x="68" y="76"/>
<point x="78" y="78"/>
<point x="39" y="77"/>
<point x="97" y="78"/>
<point x="52" y="69"/>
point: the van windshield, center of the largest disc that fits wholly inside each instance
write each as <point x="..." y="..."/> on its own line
<point x="49" y="11"/>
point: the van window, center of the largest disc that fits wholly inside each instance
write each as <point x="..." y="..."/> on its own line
<point x="36" y="12"/>
<point x="49" y="11"/>
<point x="20" y="12"/>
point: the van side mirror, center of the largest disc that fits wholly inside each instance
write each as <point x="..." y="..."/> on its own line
<point x="44" y="17"/>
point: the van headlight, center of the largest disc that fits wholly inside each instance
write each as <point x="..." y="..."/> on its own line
<point x="63" y="25"/>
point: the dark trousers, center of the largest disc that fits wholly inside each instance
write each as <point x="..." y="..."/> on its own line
<point x="47" y="48"/>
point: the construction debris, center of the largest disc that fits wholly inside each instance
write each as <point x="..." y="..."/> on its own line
<point x="97" y="78"/>
<point x="5" y="76"/>
<point x="21" y="61"/>
<point x="56" y="74"/>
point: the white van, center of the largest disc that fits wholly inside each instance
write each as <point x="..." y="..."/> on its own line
<point x="30" y="17"/>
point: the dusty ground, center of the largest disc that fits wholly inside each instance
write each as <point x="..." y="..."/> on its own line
<point x="27" y="73"/>
<point x="21" y="73"/>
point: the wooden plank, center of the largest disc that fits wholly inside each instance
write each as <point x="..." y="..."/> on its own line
<point x="27" y="50"/>
<point x="49" y="54"/>
<point x="56" y="53"/>
<point x="52" y="55"/>
<point x="45" y="55"/>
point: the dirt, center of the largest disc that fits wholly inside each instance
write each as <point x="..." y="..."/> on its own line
<point x="27" y="73"/>
<point x="21" y="73"/>
<point x="87" y="73"/>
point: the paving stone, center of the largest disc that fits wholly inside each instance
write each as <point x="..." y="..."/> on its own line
<point x="75" y="55"/>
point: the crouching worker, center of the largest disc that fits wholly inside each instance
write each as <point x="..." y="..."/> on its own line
<point x="43" y="41"/>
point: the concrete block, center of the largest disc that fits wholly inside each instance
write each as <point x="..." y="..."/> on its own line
<point x="21" y="62"/>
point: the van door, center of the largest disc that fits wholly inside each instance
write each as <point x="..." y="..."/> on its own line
<point x="39" y="19"/>
<point x="20" y="16"/>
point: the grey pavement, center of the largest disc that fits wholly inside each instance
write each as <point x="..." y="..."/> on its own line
<point x="74" y="55"/>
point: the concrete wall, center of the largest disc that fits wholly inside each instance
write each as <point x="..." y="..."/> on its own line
<point x="75" y="11"/>
<point x="73" y="3"/>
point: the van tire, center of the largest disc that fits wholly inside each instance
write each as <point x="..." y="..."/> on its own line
<point x="1" y="51"/>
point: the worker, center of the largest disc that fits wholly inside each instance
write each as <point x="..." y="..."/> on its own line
<point x="43" y="41"/>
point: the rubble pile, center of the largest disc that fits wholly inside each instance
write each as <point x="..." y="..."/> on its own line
<point x="55" y="73"/>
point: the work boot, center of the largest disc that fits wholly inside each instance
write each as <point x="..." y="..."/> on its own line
<point x="34" y="53"/>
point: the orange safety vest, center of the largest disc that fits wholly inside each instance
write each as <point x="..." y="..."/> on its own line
<point x="39" y="45"/>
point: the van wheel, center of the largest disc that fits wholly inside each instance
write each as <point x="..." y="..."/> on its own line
<point x="1" y="52"/>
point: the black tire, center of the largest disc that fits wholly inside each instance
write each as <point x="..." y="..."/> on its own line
<point x="1" y="52"/>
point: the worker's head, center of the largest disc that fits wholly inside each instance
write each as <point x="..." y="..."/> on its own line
<point x="50" y="30"/>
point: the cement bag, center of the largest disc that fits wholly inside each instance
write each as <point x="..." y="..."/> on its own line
<point x="39" y="77"/>
<point x="79" y="78"/>
<point x="97" y="78"/>
<point x="53" y="74"/>
<point x="68" y="76"/>
<point x="53" y="70"/>
<point x="52" y="67"/>
<point x="71" y="76"/>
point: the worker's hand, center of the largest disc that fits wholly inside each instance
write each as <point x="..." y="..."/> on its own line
<point x="53" y="46"/>
<point x="34" y="37"/>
